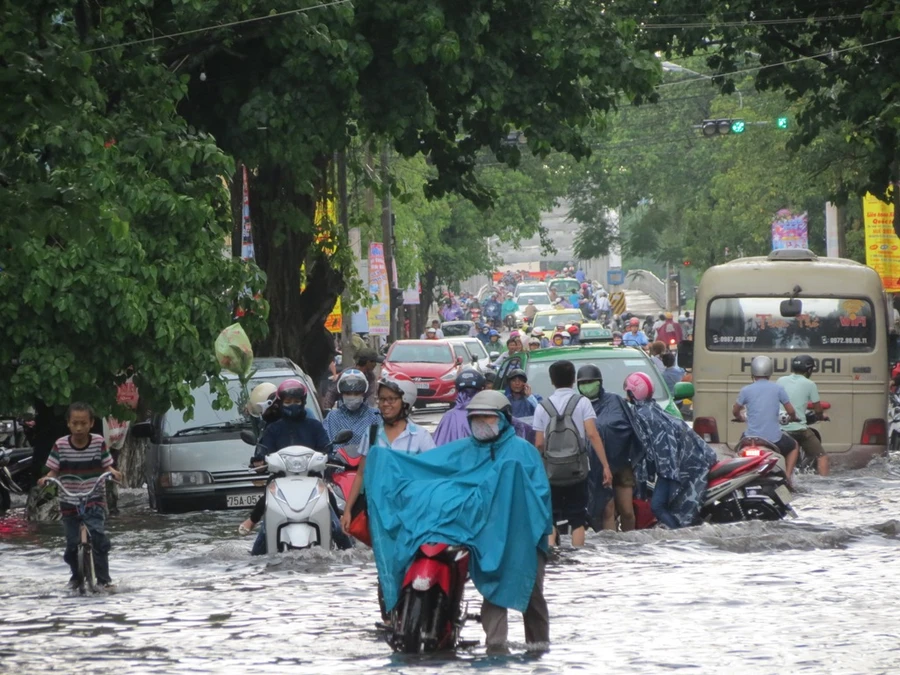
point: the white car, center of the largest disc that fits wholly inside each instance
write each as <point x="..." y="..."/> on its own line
<point x="480" y="358"/>
<point x="530" y="287"/>
<point x="541" y="302"/>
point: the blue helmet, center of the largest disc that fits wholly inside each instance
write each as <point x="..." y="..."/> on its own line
<point x="469" y="378"/>
<point x="494" y="332"/>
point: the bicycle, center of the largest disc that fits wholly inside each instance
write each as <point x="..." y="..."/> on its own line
<point x="86" y="573"/>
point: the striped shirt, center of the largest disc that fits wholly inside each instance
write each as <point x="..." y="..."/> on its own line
<point x="79" y="468"/>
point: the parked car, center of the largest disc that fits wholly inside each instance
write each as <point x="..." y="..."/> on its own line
<point x="201" y="463"/>
<point x="615" y="363"/>
<point x="479" y="355"/>
<point x="431" y="364"/>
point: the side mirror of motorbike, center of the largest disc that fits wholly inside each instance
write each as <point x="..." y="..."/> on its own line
<point x="248" y="437"/>
<point x="142" y="430"/>
<point x="342" y="437"/>
<point x="683" y="390"/>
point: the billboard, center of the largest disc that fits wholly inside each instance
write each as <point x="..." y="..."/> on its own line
<point x="789" y="230"/>
<point x="882" y="244"/>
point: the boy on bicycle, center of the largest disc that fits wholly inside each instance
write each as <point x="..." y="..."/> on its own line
<point x="80" y="459"/>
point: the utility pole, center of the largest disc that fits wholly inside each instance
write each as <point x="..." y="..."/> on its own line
<point x="387" y="234"/>
<point x="348" y="356"/>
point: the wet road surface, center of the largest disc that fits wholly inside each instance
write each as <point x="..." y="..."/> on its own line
<point x="819" y="594"/>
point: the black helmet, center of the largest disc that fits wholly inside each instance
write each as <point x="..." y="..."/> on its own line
<point x="490" y="376"/>
<point x="469" y="378"/>
<point x="517" y="372"/>
<point x="589" y="373"/>
<point x="803" y="364"/>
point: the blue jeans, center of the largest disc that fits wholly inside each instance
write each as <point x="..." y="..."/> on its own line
<point x="259" y="546"/>
<point x="659" y="503"/>
<point x="95" y="519"/>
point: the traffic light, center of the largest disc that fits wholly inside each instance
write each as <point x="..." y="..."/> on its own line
<point x="396" y="298"/>
<point x="722" y="127"/>
<point x="781" y="122"/>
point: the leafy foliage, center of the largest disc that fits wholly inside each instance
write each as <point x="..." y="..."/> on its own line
<point x="115" y="219"/>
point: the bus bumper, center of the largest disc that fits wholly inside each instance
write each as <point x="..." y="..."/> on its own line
<point x="855" y="457"/>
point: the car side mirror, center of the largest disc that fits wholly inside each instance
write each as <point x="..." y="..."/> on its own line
<point x="459" y="360"/>
<point x="494" y="356"/>
<point x="248" y="437"/>
<point x="686" y="354"/>
<point x="142" y="430"/>
<point x="683" y="390"/>
<point x="474" y="359"/>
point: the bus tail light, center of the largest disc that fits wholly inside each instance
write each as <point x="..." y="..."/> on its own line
<point x="874" y="432"/>
<point x="707" y="429"/>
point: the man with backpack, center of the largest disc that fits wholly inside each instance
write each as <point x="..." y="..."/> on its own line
<point x="564" y="424"/>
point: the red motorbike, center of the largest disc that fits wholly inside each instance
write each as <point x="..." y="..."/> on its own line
<point x="429" y="614"/>
<point x="340" y="476"/>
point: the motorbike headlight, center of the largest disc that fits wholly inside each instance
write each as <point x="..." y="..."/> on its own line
<point x="296" y="464"/>
<point x="6" y="427"/>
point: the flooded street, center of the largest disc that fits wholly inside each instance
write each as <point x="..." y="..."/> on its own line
<point x="816" y="594"/>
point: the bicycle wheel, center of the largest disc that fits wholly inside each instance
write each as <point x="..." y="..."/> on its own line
<point x="87" y="579"/>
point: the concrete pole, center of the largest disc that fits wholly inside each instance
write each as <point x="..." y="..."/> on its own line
<point x="834" y="231"/>
<point x="387" y="232"/>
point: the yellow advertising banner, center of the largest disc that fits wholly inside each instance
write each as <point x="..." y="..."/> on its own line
<point x="333" y="322"/>
<point x="882" y="244"/>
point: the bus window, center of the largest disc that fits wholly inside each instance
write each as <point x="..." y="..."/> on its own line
<point x="756" y="324"/>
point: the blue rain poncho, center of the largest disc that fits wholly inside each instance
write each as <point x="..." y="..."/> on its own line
<point x="673" y="451"/>
<point x="493" y="498"/>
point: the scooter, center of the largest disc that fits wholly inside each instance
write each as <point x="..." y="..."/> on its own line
<point x="15" y="464"/>
<point x="429" y="614"/>
<point x="298" y="501"/>
<point x="341" y="476"/>
<point x="752" y="486"/>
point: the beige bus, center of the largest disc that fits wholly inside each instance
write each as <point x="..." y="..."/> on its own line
<point x="789" y="303"/>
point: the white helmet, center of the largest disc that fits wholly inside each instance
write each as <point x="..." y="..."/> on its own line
<point x="262" y="396"/>
<point x="403" y="388"/>
<point x="352" y="382"/>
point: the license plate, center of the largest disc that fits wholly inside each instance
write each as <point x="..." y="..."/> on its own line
<point x="783" y="494"/>
<point x="241" y="501"/>
<point x="422" y="386"/>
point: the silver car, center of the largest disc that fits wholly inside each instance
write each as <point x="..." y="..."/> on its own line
<point x="202" y="463"/>
<point x="478" y="356"/>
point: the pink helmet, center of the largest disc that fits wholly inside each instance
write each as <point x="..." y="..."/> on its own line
<point x="292" y="388"/>
<point x="640" y="385"/>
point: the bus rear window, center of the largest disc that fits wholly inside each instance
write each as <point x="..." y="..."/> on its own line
<point x="756" y="325"/>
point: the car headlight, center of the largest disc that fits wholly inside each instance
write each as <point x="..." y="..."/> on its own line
<point x="449" y="376"/>
<point x="181" y="478"/>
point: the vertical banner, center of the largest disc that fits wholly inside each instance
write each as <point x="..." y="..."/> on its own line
<point x="882" y="244"/>
<point x="247" y="252"/>
<point x="333" y="322"/>
<point x="832" y="235"/>
<point x="411" y="295"/>
<point x="379" y="313"/>
<point x="789" y="230"/>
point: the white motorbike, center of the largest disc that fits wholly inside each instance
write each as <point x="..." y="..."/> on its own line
<point x="298" y="507"/>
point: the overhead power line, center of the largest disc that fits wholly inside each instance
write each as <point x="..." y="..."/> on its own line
<point x="760" y="22"/>
<point x="220" y="26"/>
<point x="779" y="64"/>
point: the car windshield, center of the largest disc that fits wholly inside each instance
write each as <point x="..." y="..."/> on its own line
<point x="420" y="353"/>
<point x="531" y="288"/>
<point x="824" y="324"/>
<point x="565" y="285"/>
<point x="455" y="329"/>
<point x="539" y="299"/>
<point x="614" y="373"/>
<point x="477" y="349"/>
<point x="206" y="415"/>
<point x="550" y="321"/>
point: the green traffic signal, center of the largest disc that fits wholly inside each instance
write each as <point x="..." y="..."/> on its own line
<point x="782" y="122"/>
<point x="737" y="126"/>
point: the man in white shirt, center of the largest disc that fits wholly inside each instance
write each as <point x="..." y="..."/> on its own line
<point x="570" y="501"/>
<point x="436" y="327"/>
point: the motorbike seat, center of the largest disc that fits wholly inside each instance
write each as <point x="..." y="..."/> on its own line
<point x="727" y="466"/>
<point x="755" y="441"/>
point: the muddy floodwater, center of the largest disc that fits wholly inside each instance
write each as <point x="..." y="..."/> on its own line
<point x="818" y="594"/>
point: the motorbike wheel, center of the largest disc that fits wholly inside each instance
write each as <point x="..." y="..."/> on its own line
<point x="749" y="509"/>
<point x="5" y="499"/>
<point x="411" y="625"/>
<point x="894" y="444"/>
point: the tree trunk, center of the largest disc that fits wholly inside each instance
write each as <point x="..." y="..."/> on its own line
<point x="283" y="232"/>
<point x="426" y="299"/>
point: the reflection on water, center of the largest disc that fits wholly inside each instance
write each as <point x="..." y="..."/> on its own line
<point x="817" y="594"/>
